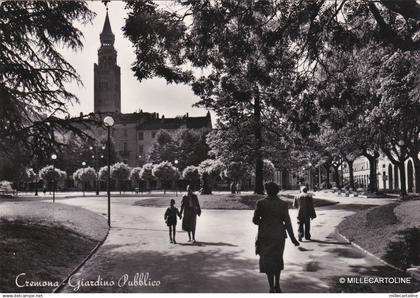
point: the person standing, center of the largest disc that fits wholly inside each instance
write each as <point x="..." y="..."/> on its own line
<point x="306" y="212"/>
<point x="190" y="208"/>
<point x="170" y="218"/>
<point x="273" y="220"/>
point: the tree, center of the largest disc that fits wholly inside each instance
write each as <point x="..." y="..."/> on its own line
<point x="34" y="73"/>
<point x="164" y="148"/>
<point x="135" y="176"/>
<point x="191" y="175"/>
<point x="240" y="44"/>
<point x="268" y="170"/>
<point x="51" y="175"/>
<point x="165" y="172"/>
<point x="32" y="177"/>
<point x="120" y="172"/>
<point x="209" y="170"/>
<point x="84" y="176"/>
<point x="146" y="174"/>
<point x="399" y="109"/>
<point x="236" y="171"/>
<point x="192" y="147"/>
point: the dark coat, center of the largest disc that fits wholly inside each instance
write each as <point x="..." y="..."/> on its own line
<point x="272" y="217"/>
<point x="190" y="207"/>
<point x="305" y="204"/>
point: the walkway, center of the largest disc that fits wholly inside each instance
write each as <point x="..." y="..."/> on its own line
<point x="223" y="260"/>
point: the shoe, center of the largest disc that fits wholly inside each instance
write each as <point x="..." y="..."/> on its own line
<point x="309" y="238"/>
<point x="189" y="240"/>
<point x="278" y="290"/>
<point x="174" y="242"/>
<point x="194" y="241"/>
<point x="300" y="238"/>
<point x="271" y="291"/>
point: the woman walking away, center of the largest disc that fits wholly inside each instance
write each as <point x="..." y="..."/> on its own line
<point x="170" y="218"/>
<point x="306" y="212"/>
<point x="190" y="208"/>
<point x="273" y="220"/>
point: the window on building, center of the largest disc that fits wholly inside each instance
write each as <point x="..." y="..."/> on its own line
<point x="141" y="135"/>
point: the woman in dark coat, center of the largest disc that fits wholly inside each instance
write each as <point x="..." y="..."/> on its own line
<point x="191" y="208"/>
<point x="273" y="220"/>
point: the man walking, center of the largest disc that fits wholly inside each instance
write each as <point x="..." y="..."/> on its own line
<point x="306" y="212"/>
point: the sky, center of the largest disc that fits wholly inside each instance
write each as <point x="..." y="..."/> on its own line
<point x="153" y="95"/>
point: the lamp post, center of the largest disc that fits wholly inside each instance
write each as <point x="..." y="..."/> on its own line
<point x="309" y="174"/>
<point x="109" y="122"/>
<point x="96" y="157"/>
<point x="53" y="157"/>
<point x="176" y="181"/>
<point x="401" y="143"/>
<point x="83" y="182"/>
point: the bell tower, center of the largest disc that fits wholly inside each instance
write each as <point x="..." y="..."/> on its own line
<point x="107" y="74"/>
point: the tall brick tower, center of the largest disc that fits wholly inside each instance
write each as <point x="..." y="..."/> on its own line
<point x="107" y="74"/>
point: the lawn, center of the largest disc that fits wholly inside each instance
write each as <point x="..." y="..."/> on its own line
<point x="43" y="253"/>
<point x="218" y="201"/>
<point x="391" y="232"/>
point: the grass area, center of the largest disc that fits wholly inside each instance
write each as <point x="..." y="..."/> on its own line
<point x="391" y="232"/>
<point x="43" y="253"/>
<point x="219" y="201"/>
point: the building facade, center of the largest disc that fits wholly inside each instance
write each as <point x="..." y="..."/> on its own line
<point x="388" y="175"/>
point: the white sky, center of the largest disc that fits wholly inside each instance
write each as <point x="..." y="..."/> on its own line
<point x="153" y="95"/>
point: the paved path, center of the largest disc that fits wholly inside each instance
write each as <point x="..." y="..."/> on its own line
<point x="222" y="261"/>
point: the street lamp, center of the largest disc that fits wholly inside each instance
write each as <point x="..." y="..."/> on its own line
<point x="309" y="174"/>
<point x="109" y="122"/>
<point x="83" y="182"/>
<point x="54" y="157"/>
<point x="176" y="182"/>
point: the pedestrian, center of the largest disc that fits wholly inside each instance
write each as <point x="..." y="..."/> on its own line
<point x="233" y="187"/>
<point x="170" y="218"/>
<point x="273" y="220"/>
<point x="238" y="188"/>
<point x="306" y="212"/>
<point x="44" y="190"/>
<point x="190" y="208"/>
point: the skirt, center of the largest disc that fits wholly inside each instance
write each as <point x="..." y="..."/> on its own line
<point x="271" y="255"/>
<point x="189" y="220"/>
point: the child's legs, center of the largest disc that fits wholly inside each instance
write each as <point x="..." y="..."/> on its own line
<point x="170" y="232"/>
<point x="173" y="231"/>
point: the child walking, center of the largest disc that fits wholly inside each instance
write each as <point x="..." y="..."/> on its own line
<point x="170" y="218"/>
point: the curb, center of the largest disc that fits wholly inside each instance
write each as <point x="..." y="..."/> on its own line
<point x="367" y="252"/>
<point x="74" y="271"/>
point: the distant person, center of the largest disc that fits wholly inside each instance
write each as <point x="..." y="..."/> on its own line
<point x="273" y="220"/>
<point x="44" y="190"/>
<point x="306" y="212"/>
<point x="233" y="188"/>
<point x="238" y="188"/>
<point x="170" y="218"/>
<point x="190" y="208"/>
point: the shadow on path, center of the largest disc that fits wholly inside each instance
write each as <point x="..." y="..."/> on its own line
<point x="329" y="242"/>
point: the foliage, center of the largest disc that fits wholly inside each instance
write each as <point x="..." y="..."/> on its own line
<point x="209" y="170"/>
<point x="237" y="171"/>
<point x="31" y="175"/>
<point x="165" y="171"/>
<point x="34" y="73"/>
<point x="103" y="173"/>
<point x="191" y="174"/>
<point x="84" y="175"/>
<point x="51" y="174"/>
<point x="268" y="170"/>
<point x="120" y="171"/>
<point x="135" y="175"/>
<point x="146" y="172"/>
<point x="164" y="148"/>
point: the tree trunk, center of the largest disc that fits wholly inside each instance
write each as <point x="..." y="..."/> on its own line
<point x="336" y="176"/>
<point x="259" y="165"/>
<point x="416" y="163"/>
<point x="351" y="173"/>
<point x="372" y="187"/>
<point x="327" y="178"/>
<point x="401" y="167"/>
<point x="206" y="188"/>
